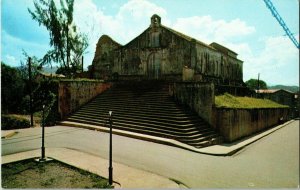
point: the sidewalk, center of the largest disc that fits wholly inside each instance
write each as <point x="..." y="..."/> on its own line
<point x="123" y="176"/>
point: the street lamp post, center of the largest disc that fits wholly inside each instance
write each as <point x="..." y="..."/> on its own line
<point x="110" y="169"/>
<point x="43" y="135"/>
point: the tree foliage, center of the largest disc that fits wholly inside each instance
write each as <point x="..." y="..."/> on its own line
<point x="12" y="89"/>
<point x="252" y="84"/>
<point x="35" y="66"/>
<point x="68" y="45"/>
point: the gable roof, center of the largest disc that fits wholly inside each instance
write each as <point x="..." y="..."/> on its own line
<point x="188" y="38"/>
<point x="213" y="46"/>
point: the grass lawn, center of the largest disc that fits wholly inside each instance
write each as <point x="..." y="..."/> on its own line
<point x="52" y="174"/>
<point x="229" y="101"/>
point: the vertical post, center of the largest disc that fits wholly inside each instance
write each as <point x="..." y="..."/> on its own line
<point x="30" y="91"/>
<point x="82" y="64"/>
<point x="43" y="134"/>
<point x="257" y="87"/>
<point x="258" y="82"/>
<point x="110" y="169"/>
<point x="68" y="52"/>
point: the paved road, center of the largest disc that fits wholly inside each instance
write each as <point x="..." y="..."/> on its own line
<point x="272" y="162"/>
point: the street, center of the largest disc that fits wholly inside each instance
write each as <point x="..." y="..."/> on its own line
<point x="271" y="162"/>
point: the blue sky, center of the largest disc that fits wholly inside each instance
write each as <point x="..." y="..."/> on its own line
<point x="245" y="26"/>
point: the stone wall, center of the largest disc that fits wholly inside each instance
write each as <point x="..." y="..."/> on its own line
<point x="234" y="124"/>
<point x="73" y="94"/>
<point x="160" y="52"/>
<point x="197" y="96"/>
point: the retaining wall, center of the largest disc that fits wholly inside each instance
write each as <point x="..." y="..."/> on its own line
<point x="197" y="96"/>
<point x="73" y="94"/>
<point x="234" y="124"/>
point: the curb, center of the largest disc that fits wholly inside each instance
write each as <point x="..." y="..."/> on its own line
<point x="251" y="139"/>
<point x="10" y="134"/>
<point x="171" y="142"/>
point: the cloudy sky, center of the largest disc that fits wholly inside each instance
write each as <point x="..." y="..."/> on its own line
<point x="245" y="26"/>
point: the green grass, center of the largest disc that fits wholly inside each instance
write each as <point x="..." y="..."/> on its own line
<point x="229" y="101"/>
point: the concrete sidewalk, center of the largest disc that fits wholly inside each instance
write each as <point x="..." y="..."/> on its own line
<point x="123" y="176"/>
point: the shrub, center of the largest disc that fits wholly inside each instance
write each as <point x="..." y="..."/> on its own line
<point x="9" y="122"/>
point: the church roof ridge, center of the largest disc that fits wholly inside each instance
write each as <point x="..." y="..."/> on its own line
<point x="106" y="37"/>
<point x="187" y="37"/>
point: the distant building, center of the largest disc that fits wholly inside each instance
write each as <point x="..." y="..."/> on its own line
<point x="44" y="75"/>
<point x="281" y="96"/>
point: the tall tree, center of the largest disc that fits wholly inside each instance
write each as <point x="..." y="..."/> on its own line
<point x="68" y="44"/>
<point x="252" y="84"/>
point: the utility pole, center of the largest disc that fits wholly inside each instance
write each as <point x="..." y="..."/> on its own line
<point x="258" y="82"/>
<point x="68" y="51"/>
<point x="82" y="64"/>
<point x="257" y="94"/>
<point x="30" y="91"/>
<point x="43" y="136"/>
<point x="110" y="169"/>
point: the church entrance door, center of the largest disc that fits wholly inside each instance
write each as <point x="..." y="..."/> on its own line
<point x="154" y="66"/>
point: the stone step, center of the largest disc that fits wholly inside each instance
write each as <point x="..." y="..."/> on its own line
<point x="145" y="123"/>
<point x="135" y="126"/>
<point x="135" y="109"/>
<point x="181" y="117"/>
<point x="146" y="108"/>
<point x="126" y="115"/>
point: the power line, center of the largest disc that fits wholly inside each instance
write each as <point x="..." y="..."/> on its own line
<point x="281" y="22"/>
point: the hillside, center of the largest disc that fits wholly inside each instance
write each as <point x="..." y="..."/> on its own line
<point x="289" y="88"/>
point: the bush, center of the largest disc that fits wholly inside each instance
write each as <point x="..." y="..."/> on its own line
<point x="12" y="89"/>
<point x="9" y="122"/>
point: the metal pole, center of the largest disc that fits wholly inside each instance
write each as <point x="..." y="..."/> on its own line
<point x="258" y="83"/>
<point x="82" y="64"/>
<point x="110" y="169"/>
<point x="43" y="134"/>
<point x="30" y="91"/>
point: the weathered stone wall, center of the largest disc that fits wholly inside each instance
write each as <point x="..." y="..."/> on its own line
<point x="73" y="94"/>
<point x="197" y="96"/>
<point x="104" y="56"/>
<point x="234" y="124"/>
<point x="159" y="52"/>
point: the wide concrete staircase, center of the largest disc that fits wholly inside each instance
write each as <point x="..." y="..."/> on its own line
<point x="146" y="108"/>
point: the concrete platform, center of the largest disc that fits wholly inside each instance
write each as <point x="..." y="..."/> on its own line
<point x="123" y="176"/>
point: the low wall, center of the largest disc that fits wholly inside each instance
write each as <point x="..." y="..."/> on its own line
<point x="196" y="95"/>
<point x="234" y="124"/>
<point x="73" y="94"/>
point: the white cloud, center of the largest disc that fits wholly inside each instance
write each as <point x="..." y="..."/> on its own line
<point x="277" y="62"/>
<point x="138" y="10"/>
<point x="11" y="48"/>
<point x="11" y="60"/>
<point x="206" y="29"/>
<point x="132" y="19"/>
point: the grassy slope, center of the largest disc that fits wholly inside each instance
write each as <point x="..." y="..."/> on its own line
<point x="229" y="101"/>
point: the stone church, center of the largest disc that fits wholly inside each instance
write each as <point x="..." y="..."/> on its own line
<point x="161" y="53"/>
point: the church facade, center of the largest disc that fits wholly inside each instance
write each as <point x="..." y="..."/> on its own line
<point x="161" y="53"/>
